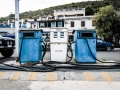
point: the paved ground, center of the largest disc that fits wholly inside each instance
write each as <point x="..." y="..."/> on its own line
<point x="61" y="76"/>
<point x="111" y="55"/>
<point x="63" y="79"/>
<point x="66" y="74"/>
<point x="74" y="85"/>
<point x="58" y="85"/>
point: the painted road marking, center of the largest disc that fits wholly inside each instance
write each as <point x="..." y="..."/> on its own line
<point x="16" y="76"/>
<point x="33" y="76"/>
<point x="2" y="74"/>
<point x="89" y="76"/>
<point x="119" y="73"/>
<point x="51" y="76"/>
<point x="107" y="77"/>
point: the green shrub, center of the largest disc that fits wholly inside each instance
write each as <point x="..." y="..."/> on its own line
<point x="117" y="45"/>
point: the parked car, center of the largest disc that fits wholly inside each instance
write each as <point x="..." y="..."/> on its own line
<point x="4" y="33"/>
<point x="10" y="35"/>
<point x="103" y="45"/>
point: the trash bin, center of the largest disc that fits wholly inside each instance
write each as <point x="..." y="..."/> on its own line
<point x="85" y="46"/>
<point x="30" y="45"/>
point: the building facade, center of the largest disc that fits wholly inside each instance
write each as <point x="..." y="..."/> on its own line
<point x="73" y="19"/>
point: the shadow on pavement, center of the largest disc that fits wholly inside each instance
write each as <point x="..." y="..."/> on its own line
<point x="4" y="59"/>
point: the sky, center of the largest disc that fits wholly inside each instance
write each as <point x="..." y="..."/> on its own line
<point x="8" y="6"/>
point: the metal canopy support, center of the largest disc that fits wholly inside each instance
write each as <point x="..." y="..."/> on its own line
<point x="17" y="27"/>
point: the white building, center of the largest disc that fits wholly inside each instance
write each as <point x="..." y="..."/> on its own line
<point x="73" y="19"/>
<point x="70" y="12"/>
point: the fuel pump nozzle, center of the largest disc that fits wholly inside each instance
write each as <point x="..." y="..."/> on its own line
<point x="69" y="48"/>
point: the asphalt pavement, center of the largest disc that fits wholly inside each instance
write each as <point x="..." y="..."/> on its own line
<point x="101" y="55"/>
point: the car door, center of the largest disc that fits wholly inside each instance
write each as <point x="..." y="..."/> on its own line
<point x="100" y="44"/>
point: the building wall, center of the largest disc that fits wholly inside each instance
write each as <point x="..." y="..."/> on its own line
<point x="70" y="11"/>
<point x="77" y="24"/>
<point x="28" y="25"/>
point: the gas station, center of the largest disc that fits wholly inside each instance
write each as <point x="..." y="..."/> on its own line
<point x="29" y="49"/>
<point x="73" y="64"/>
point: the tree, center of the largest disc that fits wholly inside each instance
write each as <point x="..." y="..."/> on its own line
<point x="89" y="10"/>
<point x="107" y="23"/>
<point x="3" y="19"/>
<point x="11" y="15"/>
<point x="116" y="26"/>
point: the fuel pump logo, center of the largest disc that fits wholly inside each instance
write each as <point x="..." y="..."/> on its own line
<point x="58" y="50"/>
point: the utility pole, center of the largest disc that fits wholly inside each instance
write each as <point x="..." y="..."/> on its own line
<point x="17" y="27"/>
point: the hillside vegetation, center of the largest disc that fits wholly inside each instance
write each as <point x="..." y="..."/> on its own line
<point x="91" y="8"/>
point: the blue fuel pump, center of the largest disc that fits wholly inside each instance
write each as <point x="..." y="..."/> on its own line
<point x="81" y="48"/>
<point x="30" y="46"/>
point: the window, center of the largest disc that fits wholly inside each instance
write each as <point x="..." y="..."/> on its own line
<point x="35" y="20"/>
<point x="79" y="14"/>
<point x="59" y="24"/>
<point x="87" y="34"/>
<point x="49" y="24"/>
<point x="72" y="24"/>
<point x="93" y="23"/>
<point x="52" y="24"/>
<point x="42" y="24"/>
<point x="82" y="23"/>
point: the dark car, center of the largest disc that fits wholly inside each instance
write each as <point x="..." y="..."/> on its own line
<point x="103" y="45"/>
<point x="7" y="46"/>
<point x="3" y="33"/>
<point x="10" y="35"/>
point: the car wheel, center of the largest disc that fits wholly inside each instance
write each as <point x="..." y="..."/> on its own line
<point x="108" y="48"/>
<point x="7" y="52"/>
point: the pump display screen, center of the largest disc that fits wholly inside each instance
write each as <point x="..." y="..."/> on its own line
<point x="87" y="34"/>
<point x="61" y="34"/>
<point x="55" y="34"/>
<point x="28" y="34"/>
